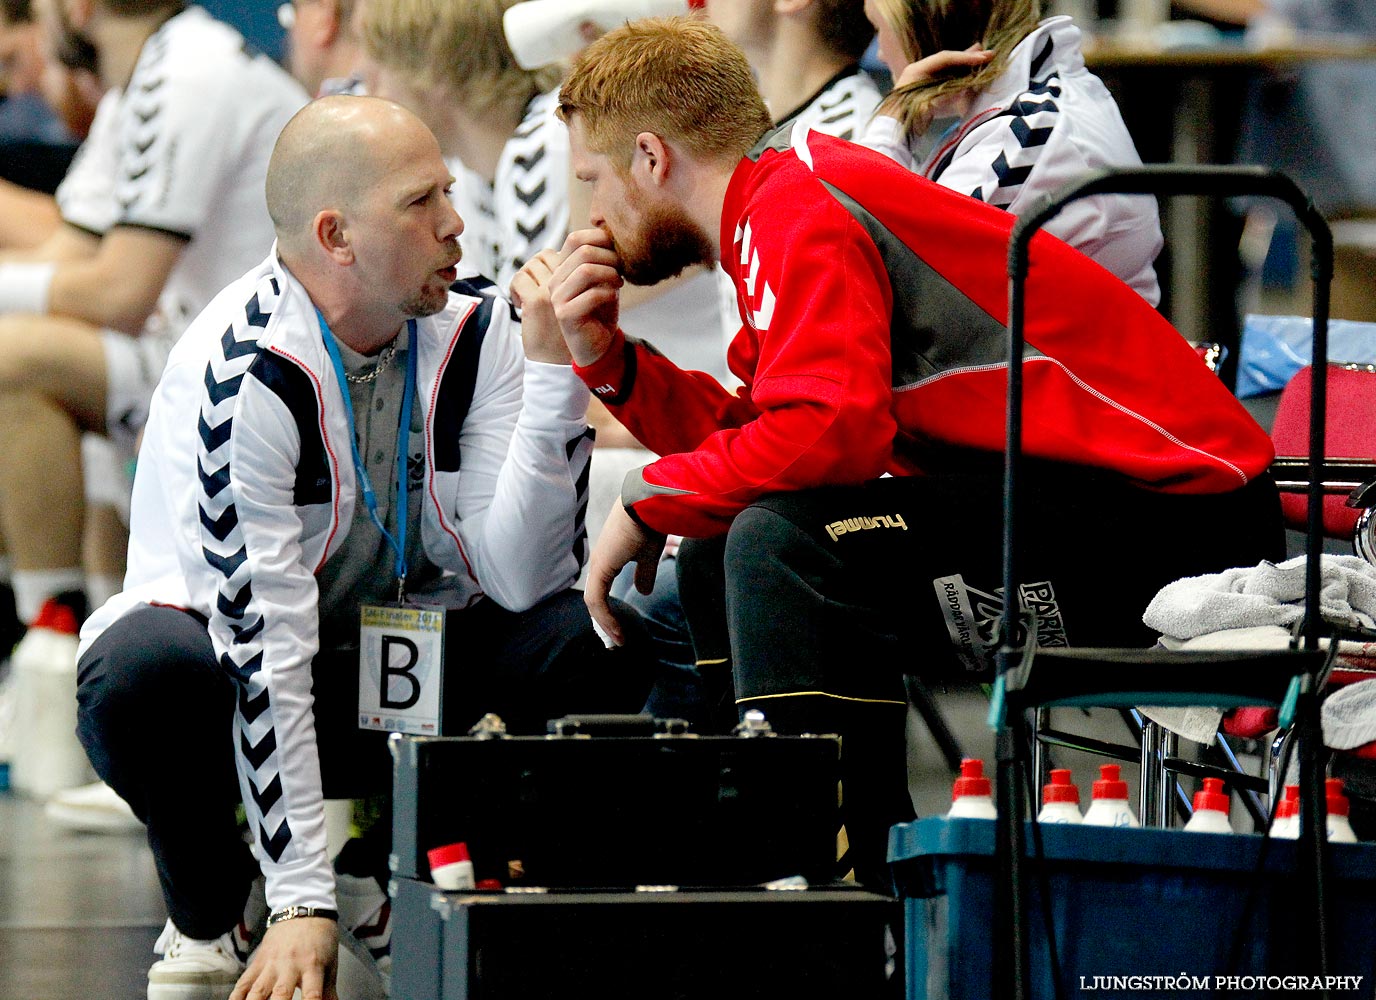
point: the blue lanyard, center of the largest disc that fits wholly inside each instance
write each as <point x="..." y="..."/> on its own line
<point x="365" y="484"/>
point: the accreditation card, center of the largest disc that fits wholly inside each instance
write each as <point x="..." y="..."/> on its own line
<point x="401" y="668"/>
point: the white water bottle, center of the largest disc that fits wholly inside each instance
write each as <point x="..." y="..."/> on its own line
<point x="1287" y="824"/>
<point x="1060" y="799"/>
<point x="1109" y="800"/>
<point x="971" y="796"/>
<point x="46" y="756"/>
<point x="451" y="868"/>
<point x="541" y="32"/>
<point x="1210" y="809"/>
<point x="1339" y="829"/>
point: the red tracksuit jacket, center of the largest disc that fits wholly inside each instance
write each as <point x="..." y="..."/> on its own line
<point x="874" y="304"/>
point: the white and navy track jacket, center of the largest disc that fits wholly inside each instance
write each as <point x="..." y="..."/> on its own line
<point x="1046" y="121"/>
<point x="246" y="486"/>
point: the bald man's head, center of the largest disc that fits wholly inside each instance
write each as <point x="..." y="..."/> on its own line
<point x="330" y="152"/>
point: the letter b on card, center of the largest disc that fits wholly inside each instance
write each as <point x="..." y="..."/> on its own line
<point x="401" y="668"/>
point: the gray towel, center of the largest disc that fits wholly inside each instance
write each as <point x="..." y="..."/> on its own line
<point x="1349" y="716"/>
<point x="1268" y="594"/>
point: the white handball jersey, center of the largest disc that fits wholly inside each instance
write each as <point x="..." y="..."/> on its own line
<point x="184" y="150"/>
<point x="86" y="196"/>
<point x="842" y="107"/>
<point x="526" y="208"/>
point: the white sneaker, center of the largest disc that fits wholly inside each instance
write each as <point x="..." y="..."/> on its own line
<point x="195" y="970"/>
<point x="365" y="917"/>
<point x="94" y="808"/>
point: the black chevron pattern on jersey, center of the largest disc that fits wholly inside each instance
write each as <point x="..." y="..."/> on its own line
<point x="142" y="133"/>
<point x="240" y="623"/>
<point x="535" y="198"/>
<point x="257" y="754"/>
<point x="212" y="482"/>
<point x="221" y="526"/>
<point x="246" y="635"/>
<point x="269" y="796"/>
<point x="232" y="606"/>
<point x="1028" y="124"/>
<point x="530" y="161"/>
<point x="251" y="708"/>
<point x="274" y="844"/>
<point x="529" y="198"/>
<point x="840" y="109"/>
<point x="213" y="436"/>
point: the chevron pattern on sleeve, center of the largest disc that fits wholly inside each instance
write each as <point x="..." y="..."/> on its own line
<point x="1028" y="123"/>
<point x="142" y="136"/>
<point x="238" y="624"/>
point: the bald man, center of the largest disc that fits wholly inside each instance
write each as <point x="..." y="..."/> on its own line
<point x="351" y="354"/>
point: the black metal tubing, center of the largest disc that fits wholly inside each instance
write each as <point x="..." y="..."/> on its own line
<point x="1010" y="926"/>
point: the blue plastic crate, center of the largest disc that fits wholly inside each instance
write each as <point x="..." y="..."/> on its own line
<point x="1127" y="903"/>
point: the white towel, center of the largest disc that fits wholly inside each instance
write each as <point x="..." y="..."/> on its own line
<point x="1268" y="594"/>
<point x="1200" y="723"/>
<point x="1349" y="716"/>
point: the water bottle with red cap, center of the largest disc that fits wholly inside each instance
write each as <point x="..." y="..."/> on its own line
<point x="1060" y="799"/>
<point x="1109" y="800"/>
<point x="1210" y="809"/>
<point x="451" y="868"/>
<point x="971" y="796"/>
<point x="1287" y="824"/>
<point x="1339" y="828"/>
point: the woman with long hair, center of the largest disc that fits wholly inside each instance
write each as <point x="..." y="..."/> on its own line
<point x="992" y="100"/>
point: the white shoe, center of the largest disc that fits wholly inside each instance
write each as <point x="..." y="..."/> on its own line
<point x="93" y="808"/>
<point x="192" y="969"/>
<point x="365" y="918"/>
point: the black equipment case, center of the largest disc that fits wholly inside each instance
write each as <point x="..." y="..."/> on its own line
<point x="619" y="811"/>
<point x="824" y="941"/>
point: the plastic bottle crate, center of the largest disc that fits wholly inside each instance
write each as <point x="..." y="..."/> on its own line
<point x="1127" y="903"/>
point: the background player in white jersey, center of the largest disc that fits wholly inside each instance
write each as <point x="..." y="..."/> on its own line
<point x="806" y="56"/>
<point x="323" y="52"/>
<point x="163" y="204"/>
<point x="449" y="63"/>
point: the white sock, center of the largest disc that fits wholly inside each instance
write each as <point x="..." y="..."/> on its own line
<point x="32" y="587"/>
<point x="100" y="587"/>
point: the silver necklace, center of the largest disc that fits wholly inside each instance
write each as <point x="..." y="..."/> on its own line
<point x="384" y="361"/>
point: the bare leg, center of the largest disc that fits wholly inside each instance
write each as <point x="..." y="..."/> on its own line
<point x="52" y="387"/>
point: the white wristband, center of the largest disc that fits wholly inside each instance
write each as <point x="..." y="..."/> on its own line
<point x="24" y="287"/>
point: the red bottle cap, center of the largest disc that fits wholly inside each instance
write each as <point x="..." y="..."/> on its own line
<point x="1289" y="804"/>
<point x="488" y="884"/>
<point x="1211" y="796"/>
<point x="56" y="617"/>
<point x="1061" y="788"/>
<point x="447" y="855"/>
<point x="972" y="780"/>
<point x="1337" y="801"/>
<point x="1110" y="785"/>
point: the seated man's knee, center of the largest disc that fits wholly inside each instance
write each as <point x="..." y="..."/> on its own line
<point x="769" y="535"/>
<point x="17" y="351"/>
